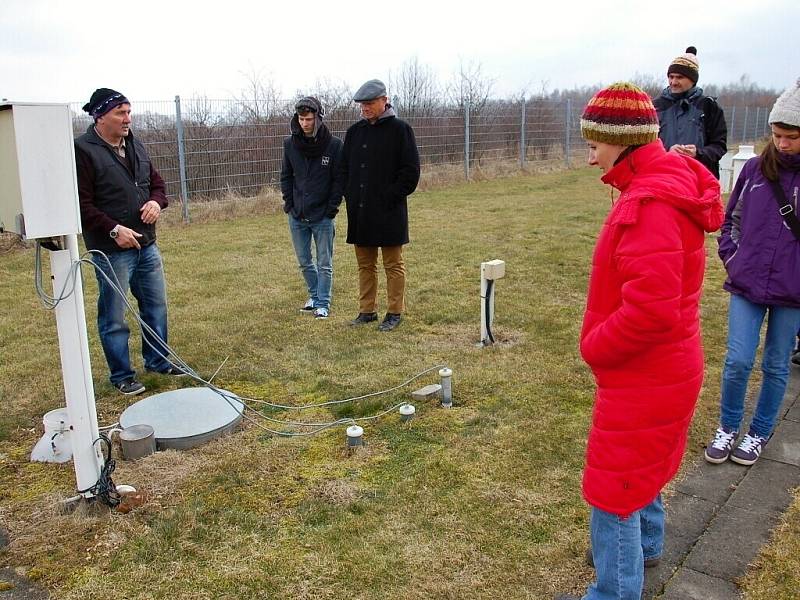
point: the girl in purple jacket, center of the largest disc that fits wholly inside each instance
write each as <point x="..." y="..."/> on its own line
<point x="761" y="253"/>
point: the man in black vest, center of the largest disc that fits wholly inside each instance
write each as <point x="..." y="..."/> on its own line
<point x="381" y="169"/>
<point x="691" y="123"/>
<point x="121" y="198"/>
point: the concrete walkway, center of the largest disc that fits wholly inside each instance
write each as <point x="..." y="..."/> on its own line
<point x="720" y="515"/>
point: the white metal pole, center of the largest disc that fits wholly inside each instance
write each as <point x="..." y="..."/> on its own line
<point x="76" y="368"/>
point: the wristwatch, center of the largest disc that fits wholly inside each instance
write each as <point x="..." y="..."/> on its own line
<point x="114" y="233"/>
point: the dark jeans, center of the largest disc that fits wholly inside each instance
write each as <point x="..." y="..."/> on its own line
<point x="142" y="272"/>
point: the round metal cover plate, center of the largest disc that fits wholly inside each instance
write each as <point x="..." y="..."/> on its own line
<point x="185" y="418"/>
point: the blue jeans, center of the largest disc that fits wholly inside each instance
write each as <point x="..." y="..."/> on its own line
<point x="318" y="275"/>
<point x="619" y="548"/>
<point x="744" y="327"/>
<point x="142" y="272"/>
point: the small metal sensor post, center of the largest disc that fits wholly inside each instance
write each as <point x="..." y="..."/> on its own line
<point x="490" y="271"/>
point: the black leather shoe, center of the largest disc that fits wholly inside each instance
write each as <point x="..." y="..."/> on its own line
<point x="390" y="321"/>
<point x="364" y="318"/>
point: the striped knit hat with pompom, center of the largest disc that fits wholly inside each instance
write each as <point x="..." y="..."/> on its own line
<point x="621" y="114"/>
<point x="686" y="64"/>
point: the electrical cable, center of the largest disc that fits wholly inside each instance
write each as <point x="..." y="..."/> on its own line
<point x="487" y="308"/>
<point x="105" y="490"/>
<point x="149" y="336"/>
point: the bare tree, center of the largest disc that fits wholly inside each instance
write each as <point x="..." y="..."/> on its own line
<point x="260" y="99"/>
<point x="413" y="89"/>
<point x="651" y="84"/>
<point x="470" y="87"/>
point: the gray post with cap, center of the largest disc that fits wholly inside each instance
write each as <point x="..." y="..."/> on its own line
<point x="466" y="139"/>
<point x="181" y="160"/>
<point x="522" y="136"/>
<point x="567" y="125"/>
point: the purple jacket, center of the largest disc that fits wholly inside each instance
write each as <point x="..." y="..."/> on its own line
<point x="760" y="252"/>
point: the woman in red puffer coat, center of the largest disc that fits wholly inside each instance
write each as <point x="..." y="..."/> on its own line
<point x="641" y="331"/>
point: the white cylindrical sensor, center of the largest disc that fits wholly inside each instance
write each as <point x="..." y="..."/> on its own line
<point x="447" y="387"/>
<point x="355" y="436"/>
<point x="407" y="412"/>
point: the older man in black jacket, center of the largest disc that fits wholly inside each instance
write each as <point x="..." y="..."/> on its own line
<point x="380" y="167"/>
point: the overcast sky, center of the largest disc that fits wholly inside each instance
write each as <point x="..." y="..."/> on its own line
<point x="60" y="51"/>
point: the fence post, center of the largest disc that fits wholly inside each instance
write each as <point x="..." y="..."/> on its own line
<point x="466" y="139"/>
<point x="744" y="125"/>
<point x="181" y="159"/>
<point x="732" y="122"/>
<point x="758" y="129"/>
<point x="522" y="136"/>
<point x="567" y="124"/>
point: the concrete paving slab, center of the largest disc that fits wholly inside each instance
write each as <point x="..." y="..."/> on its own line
<point x="22" y="588"/>
<point x="687" y="519"/>
<point x="766" y="488"/>
<point x="691" y="585"/>
<point x="793" y="414"/>
<point x="785" y="444"/>
<point x="731" y="542"/>
<point x="714" y="483"/>
<point x="793" y="385"/>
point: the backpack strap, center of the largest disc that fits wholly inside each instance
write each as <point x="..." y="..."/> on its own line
<point x="785" y="208"/>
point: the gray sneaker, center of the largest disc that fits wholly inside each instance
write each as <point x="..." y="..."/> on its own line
<point x="749" y="449"/>
<point x="129" y="387"/>
<point x="719" y="449"/>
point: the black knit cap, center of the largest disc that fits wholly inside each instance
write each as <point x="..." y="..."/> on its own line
<point x="102" y="101"/>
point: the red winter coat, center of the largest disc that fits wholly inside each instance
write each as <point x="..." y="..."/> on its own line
<point x="641" y="329"/>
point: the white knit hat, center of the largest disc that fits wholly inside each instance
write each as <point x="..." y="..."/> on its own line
<point x="787" y="107"/>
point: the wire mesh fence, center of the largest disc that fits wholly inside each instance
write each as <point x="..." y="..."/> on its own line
<point x="209" y="148"/>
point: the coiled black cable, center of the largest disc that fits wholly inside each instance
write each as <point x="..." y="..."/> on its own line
<point x="104" y="490"/>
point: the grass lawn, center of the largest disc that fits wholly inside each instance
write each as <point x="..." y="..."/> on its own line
<point x="480" y="501"/>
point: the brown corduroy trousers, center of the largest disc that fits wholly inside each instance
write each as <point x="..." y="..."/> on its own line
<point x="395" y="268"/>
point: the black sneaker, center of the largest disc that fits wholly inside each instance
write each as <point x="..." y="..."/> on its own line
<point x="364" y="318"/>
<point x="171" y="370"/>
<point x="129" y="387"/>
<point x="390" y="321"/>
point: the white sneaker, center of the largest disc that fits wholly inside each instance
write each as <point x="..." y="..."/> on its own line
<point x="321" y="313"/>
<point x="308" y="307"/>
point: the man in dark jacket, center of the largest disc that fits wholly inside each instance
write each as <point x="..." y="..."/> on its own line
<point x="312" y="192"/>
<point x="121" y="197"/>
<point x="691" y="123"/>
<point x="380" y="166"/>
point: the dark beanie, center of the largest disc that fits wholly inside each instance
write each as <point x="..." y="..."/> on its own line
<point x="309" y="103"/>
<point x="102" y="101"/>
<point x="686" y="64"/>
